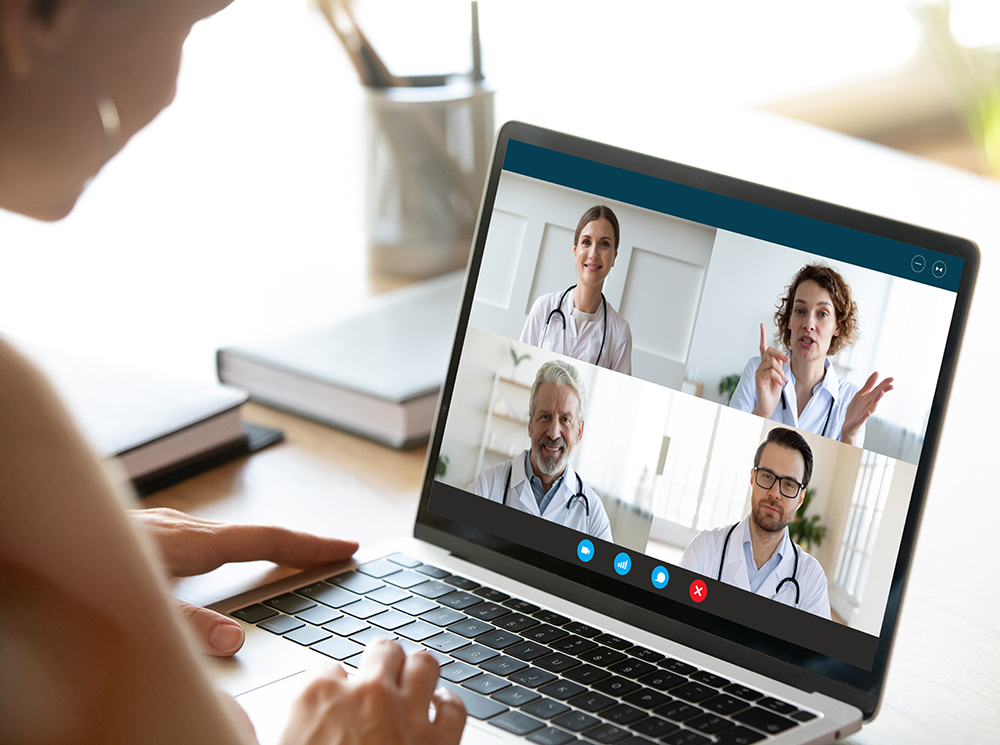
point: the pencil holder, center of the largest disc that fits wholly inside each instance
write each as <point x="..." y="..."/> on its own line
<point x="428" y="151"/>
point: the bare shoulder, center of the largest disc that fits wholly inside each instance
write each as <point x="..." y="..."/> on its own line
<point x="27" y="399"/>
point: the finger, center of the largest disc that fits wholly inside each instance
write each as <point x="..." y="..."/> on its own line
<point x="449" y="717"/>
<point x="419" y="678"/>
<point x="238" y="715"/>
<point x="777" y="368"/>
<point x="219" y="636"/>
<point x="777" y="354"/>
<point x="870" y="383"/>
<point x="382" y="658"/>
<point x="763" y="342"/>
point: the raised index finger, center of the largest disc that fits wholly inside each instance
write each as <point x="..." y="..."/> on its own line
<point x="763" y="342"/>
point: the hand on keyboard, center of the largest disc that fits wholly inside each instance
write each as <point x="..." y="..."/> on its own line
<point x="386" y="703"/>
<point x="189" y="545"/>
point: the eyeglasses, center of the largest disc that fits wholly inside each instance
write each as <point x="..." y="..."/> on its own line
<point x="788" y="487"/>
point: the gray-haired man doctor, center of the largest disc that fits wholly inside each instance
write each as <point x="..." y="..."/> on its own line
<point x="541" y="481"/>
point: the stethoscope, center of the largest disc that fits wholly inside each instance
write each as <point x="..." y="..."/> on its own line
<point x="829" y="413"/>
<point x="562" y="317"/>
<point x="579" y="495"/>
<point x="795" y="567"/>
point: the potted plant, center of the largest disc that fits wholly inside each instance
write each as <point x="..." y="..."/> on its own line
<point x="806" y="530"/>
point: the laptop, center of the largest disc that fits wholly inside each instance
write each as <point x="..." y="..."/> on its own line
<point x="581" y="613"/>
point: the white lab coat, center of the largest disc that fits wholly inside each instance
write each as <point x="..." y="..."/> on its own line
<point x="704" y="553"/>
<point x="586" y="345"/>
<point x="490" y="484"/>
<point x="831" y="389"/>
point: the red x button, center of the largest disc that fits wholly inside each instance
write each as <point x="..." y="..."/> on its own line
<point x="698" y="591"/>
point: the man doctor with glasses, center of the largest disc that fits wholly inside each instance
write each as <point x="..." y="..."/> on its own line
<point x="757" y="553"/>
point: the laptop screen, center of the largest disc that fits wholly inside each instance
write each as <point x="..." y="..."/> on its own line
<point x="709" y="400"/>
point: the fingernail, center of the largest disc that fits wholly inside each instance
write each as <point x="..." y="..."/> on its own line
<point x="226" y="637"/>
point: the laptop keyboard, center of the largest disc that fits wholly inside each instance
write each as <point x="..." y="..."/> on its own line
<point x="522" y="668"/>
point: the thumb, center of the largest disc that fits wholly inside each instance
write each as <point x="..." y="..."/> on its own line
<point x="219" y="636"/>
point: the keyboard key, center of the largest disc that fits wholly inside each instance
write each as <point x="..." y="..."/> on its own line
<point x="647" y="698"/>
<point x="442" y="616"/>
<point x="403" y="560"/>
<point x="380" y="568"/>
<point x="686" y="737"/>
<point x="281" y="624"/>
<point x="363" y="609"/>
<point x="616" y="686"/>
<point x="504" y="665"/>
<point x="289" y="603"/>
<point x="546" y="708"/>
<point x="415" y="606"/>
<point x="431" y="589"/>
<point x="678" y="711"/>
<point x="406" y="579"/>
<point x="388" y="595"/>
<point x="602" y="656"/>
<point x="456" y="672"/>
<point x="645" y="654"/>
<point x="632" y="668"/>
<point x="254" y="613"/>
<point x="498" y="639"/>
<point x="319" y="615"/>
<point x="531" y="677"/>
<point x="335" y="597"/>
<point x="478" y="707"/>
<point x="547" y="616"/>
<point x="710" y="724"/>
<point x="475" y="654"/>
<point x="516" y="696"/>
<point x="527" y="651"/>
<point x="370" y="634"/>
<point x="557" y="662"/>
<point x="486" y="684"/>
<point x="693" y="692"/>
<point x="446" y="642"/>
<point x="709" y="679"/>
<point x="544" y="634"/>
<point x="459" y="600"/>
<point x="521" y="606"/>
<point x="462" y="583"/>
<point x="655" y="727"/>
<point x="582" y="629"/>
<point x="337" y="648"/>
<point x="803" y="716"/>
<point x="741" y="691"/>
<point x="615" y="642"/>
<point x="354" y="661"/>
<point x="662" y="680"/>
<point x="623" y="714"/>
<point x="307" y="635"/>
<point x="433" y="571"/>
<point x="390" y="619"/>
<point x="551" y="736"/>
<point x="346" y="626"/>
<point x="573" y="644"/>
<point x="740" y="736"/>
<point x="357" y="582"/>
<point x="607" y="733"/>
<point x="411" y="646"/>
<point x="725" y="704"/>
<point x="676" y="666"/>
<point x="492" y="595"/>
<point x="487" y="611"/>
<point x="576" y="721"/>
<point x="470" y="627"/>
<point x="562" y="689"/>
<point x="587" y="674"/>
<point x="779" y="706"/>
<point x="418" y="631"/>
<point x="517" y="622"/>
<point x="592" y="702"/>
<point x="516" y="722"/>
<point x="764" y="720"/>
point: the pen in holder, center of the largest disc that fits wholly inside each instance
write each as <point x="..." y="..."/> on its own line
<point x="428" y="149"/>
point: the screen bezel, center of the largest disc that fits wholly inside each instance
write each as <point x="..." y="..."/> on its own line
<point x="700" y="630"/>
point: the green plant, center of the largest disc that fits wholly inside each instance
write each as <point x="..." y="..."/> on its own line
<point x="518" y="359"/>
<point x="806" y="530"/>
<point x="727" y="386"/>
<point x="441" y="467"/>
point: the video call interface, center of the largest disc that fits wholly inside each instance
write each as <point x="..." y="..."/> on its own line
<point x="705" y="399"/>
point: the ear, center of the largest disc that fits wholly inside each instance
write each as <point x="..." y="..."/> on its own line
<point x="26" y="26"/>
<point x="579" y="435"/>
